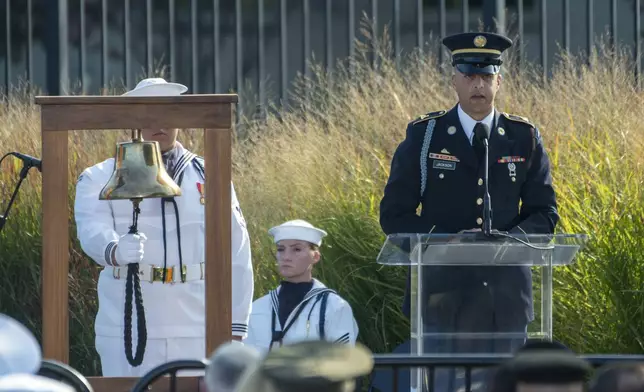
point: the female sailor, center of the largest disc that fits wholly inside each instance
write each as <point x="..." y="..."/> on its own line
<point x="301" y="307"/>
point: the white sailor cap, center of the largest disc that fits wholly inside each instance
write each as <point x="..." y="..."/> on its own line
<point x="156" y="87"/>
<point x="297" y="230"/>
<point x="32" y="383"/>
<point x="19" y="349"/>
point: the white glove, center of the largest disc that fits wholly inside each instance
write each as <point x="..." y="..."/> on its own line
<point x="130" y="249"/>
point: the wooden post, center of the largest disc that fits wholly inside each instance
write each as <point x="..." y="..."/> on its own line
<point x="212" y="112"/>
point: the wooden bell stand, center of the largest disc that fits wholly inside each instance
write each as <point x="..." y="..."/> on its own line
<point x="59" y="115"/>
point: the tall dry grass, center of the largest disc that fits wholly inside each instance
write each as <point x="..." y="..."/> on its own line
<point x="326" y="159"/>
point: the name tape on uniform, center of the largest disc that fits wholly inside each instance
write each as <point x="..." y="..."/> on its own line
<point x="444" y="165"/>
<point x="511" y="159"/>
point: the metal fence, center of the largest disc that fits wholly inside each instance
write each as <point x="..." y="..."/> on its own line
<point x="398" y="363"/>
<point x="217" y="46"/>
<point x="395" y="362"/>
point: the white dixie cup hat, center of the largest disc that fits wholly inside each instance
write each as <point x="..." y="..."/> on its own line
<point x="19" y="349"/>
<point x="298" y="230"/>
<point x="156" y="87"/>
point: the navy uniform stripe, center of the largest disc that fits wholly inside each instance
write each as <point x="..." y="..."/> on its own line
<point x="108" y="252"/>
<point x="237" y="327"/>
<point x="183" y="162"/>
<point x="343" y="339"/>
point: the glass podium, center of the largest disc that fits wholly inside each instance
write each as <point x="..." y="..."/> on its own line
<point x="475" y="295"/>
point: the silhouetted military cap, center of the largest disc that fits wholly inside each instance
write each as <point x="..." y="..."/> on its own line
<point x="311" y="366"/>
<point x="548" y="366"/>
<point x="477" y="53"/>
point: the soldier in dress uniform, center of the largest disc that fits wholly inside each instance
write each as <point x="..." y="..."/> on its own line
<point x="170" y="251"/>
<point x="301" y="307"/>
<point x="439" y="166"/>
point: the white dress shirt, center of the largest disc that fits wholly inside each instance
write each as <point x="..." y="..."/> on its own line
<point x="468" y="122"/>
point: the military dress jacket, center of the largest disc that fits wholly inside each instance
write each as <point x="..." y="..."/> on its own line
<point x="437" y="168"/>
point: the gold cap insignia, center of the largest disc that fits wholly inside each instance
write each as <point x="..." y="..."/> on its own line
<point x="480" y="41"/>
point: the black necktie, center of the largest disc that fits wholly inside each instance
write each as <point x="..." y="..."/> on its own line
<point x="477" y="142"/>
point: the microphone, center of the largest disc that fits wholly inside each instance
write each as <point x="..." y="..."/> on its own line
<point x="482" y="134"/>
<point x="29" y="160"/>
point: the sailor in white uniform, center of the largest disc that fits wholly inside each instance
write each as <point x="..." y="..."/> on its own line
<point x="300" y="308"/>
<point x="170" y="240"/>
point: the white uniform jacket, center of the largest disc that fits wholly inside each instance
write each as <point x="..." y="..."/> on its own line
<point x="339" y="324"/>
<point x="172" y="310"/>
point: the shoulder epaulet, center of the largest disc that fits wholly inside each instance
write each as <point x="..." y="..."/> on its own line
<point x="429" y="116"/>
<point x="514" y="117"/>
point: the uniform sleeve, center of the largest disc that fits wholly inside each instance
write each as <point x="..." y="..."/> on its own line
<point x="341" y="325"/>
<point x="94" y="220"/>
<point x="242" y="270"/>
<point x="402" y="192"/>
<point x="538" y="213"/>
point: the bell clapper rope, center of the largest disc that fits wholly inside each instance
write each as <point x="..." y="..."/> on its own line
<point x="134" y="280"/>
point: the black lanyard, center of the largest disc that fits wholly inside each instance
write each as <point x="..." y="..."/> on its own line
<point x="278" y="336"/>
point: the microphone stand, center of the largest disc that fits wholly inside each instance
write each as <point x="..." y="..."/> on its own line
<point x="487" y="202"/>
<point x="23" y="174"/>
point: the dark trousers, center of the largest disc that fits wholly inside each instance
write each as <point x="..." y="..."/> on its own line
<point x="464" y="322"/>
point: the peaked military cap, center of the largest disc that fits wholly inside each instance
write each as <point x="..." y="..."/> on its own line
<point x="550" y="365"/>
<point x="477" y="53"/>
<point x="311" y="366"/>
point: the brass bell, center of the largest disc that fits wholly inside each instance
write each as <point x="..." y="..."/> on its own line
<point x="139" y="172"/>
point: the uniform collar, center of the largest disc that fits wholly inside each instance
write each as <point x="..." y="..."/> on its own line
<point x="468" y="122"/>
<point x="318" y="287"/>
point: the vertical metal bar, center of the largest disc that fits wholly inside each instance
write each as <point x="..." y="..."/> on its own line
<point x="261" y="54"/>
<point x="420" y="39"/>
<point x="104" y="73"/>
<point x="638" y="43"/>
<point x="283" y="52"/>
<point x="148" y="36"/>
<point x="352" y="28"/>
<point x="63" y="59"/>
<point x="30" y="43"/>
<point x="374" y="16"/>
<point x="494" y="15"/>
<point x="239" y="57"/>
<point x="613" y="22"/>
<point x="329" y="41"/>
<point x="566" y="18"/>
<point x="521" y="14"/>
<point x="306" y="10"/>
<point x="591" y="16"/>
<point x="194" y="47"/>
<point x="127" y="37"/>
<point x="465" y="11"/>
<point x="215" y="37"/>
<point x="7" y="71"/>
<point x="173" y="28"/>
<point x="544" y="39"/>
<point x="397" y="31"/>
<point x="442" y="12"/>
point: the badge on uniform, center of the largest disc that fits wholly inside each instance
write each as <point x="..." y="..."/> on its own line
<point x="202" y="191"/>
<point x="513" y="171"/>
<point x="444" y="156"/>
<point x="511" y="159"/>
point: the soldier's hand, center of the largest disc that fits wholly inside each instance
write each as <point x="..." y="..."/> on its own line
<point x="130" y="249"/>
<point x="475" y="230"/>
